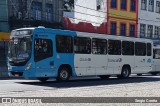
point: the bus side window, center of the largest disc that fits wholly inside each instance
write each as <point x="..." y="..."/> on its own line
<point x="114" y="47"/>
<point x="64" y="44"/>
<point x="127" y="48"/>
<point x="42" y="49"/>
<point x="140" y="49"/>
<point x="82" y="45"/>
<point x="156" y="53"/>
<point x="99" y="46"/>
<point x="149" y="49"/>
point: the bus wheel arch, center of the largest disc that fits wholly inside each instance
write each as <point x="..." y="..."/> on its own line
<point x="125" y="71"/>
<point x="64" y="72"/>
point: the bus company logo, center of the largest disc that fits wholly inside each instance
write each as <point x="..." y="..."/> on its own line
<point x="149" y="61"/>
<point x="6" y="100"/>
<point x="85" y="59"/>
<point x="115" y="60"/>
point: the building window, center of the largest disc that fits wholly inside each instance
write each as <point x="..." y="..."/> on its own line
<point x="36" y="10"/>
<point x="98" y="4"/>
<point x="142" y="30"/>
<point x="123" y="4"/>
<point x="132" y="30"/>
<point x="49" y="11"/>
<point x="150" y="31"/>
<point x="113" y="3"/>
<point x="133" y="5"/>
<point x="157" y="6"/>
<point x="151" y="5"/>
<point x="123" y="30"/>
<point x="156" y="32"/>
<point x="143" y="4"/>
<point x="113" y="28"/>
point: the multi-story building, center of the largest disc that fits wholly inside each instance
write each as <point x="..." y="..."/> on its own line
<point x="26" y="13"/>
<point x="4" y="26"/>
<point x="117" y="17"/>
<point x="149" y="19"/>
<point x="122" y="17"/>
<point x="86" y="15"/>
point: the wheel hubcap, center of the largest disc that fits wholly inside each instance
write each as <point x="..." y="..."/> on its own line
<point x="125" y="72"/>
<point x="64" y="74"/>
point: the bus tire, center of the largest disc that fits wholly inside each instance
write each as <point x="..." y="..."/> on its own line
<point x="154" y="73"/>
<point x="63" y="74"/>
<point x="104" y="76"/>
<point x="43" y="79"/>
<point x="125" y="72"/>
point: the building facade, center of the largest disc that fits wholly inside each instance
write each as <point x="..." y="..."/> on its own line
<point x="149" y="19"/>
<point x="26" y="13"/>
<point x="32" y="13"/>
<point x="86" y="15"/>
<point x="116" y="17"/>
<point x="122" y="17"/>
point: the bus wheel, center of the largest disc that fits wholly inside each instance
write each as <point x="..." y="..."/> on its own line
<point x="104" y="76"/>
<point x="43" y="79"/>
<point x="125" y="72"/>
<point x="63" y="74"/>
<point x="139" y="74"/>
<point x="154" y="73"/>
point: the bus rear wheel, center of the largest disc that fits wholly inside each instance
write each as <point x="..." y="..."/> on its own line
<point x="104" y="76"/>
<point x="63" y="74"/>
<point x="125" y="72"/>
<point x="43" y="79"/>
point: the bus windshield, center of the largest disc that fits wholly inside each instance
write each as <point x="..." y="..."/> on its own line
<point x="19" y="50"/>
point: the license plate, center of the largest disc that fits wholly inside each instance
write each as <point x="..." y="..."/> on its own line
<point x="17" y="75"/>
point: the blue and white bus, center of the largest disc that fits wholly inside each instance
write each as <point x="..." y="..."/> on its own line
<point x="45" y="53"/>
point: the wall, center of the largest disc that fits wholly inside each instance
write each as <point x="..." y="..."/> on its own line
<point x="147" y="17"/>
<point x="86" y="18"/>
<point x="122" y="16"/>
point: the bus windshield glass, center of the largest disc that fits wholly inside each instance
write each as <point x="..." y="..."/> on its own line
<point x="19" y="49"/>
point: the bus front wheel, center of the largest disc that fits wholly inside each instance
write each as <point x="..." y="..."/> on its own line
<point x="63" y="74"/>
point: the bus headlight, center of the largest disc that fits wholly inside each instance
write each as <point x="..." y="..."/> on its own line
<point x="28" y="66"/>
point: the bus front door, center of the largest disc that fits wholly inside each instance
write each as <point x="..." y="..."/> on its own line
<point x="43" y="57"/>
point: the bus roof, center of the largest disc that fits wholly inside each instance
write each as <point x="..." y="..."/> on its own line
<point x="86" y="34"/>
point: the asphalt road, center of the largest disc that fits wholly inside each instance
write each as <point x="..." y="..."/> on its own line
<point x="22" y="85"/>
<point x="135" y="86"/>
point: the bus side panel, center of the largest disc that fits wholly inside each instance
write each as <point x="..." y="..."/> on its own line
<point x="128" y="60"/>
<point x="156" y="65"/>
<point x="100" y="62"/>
<point x="83" y="65"/>
<point x="114" y="64"/>
<point x="143" y="64"/>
